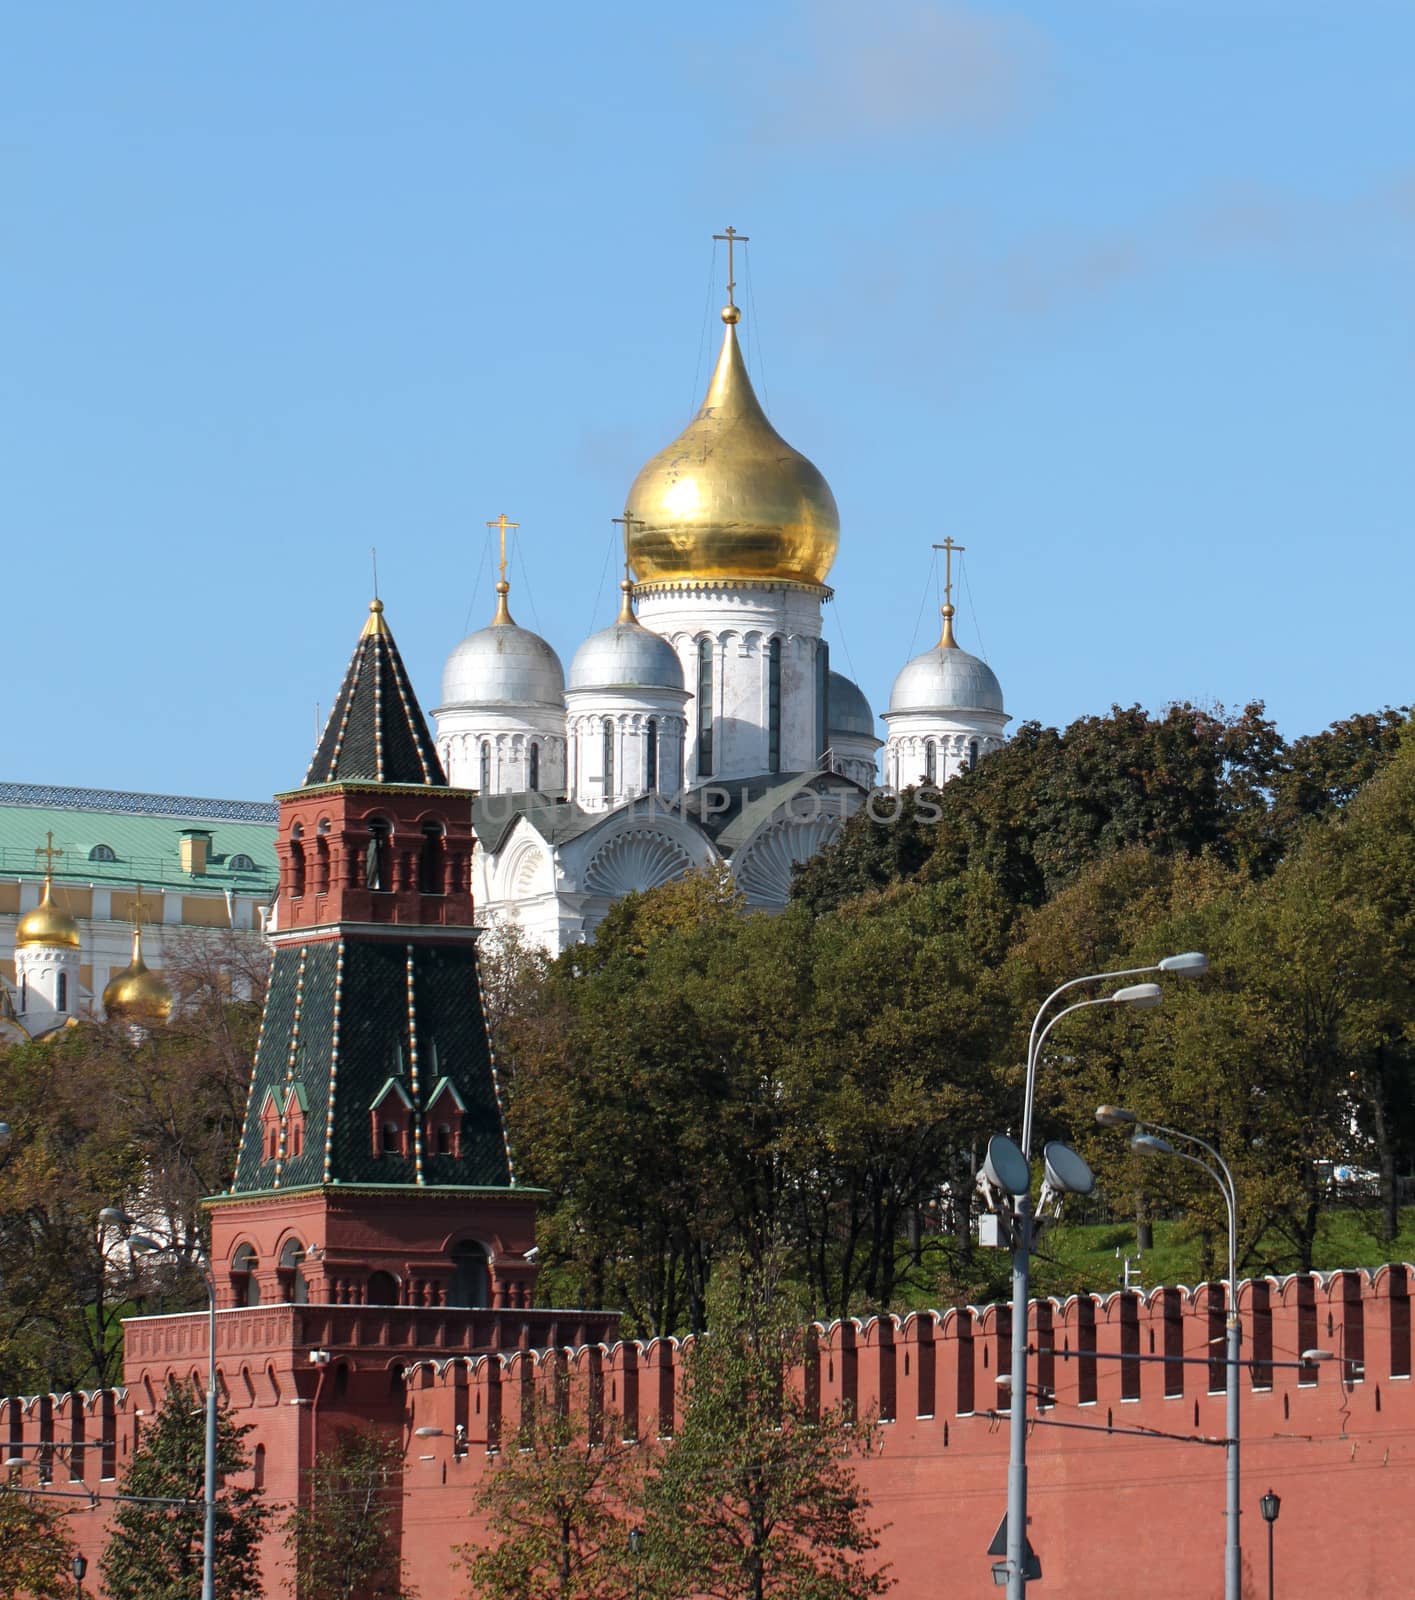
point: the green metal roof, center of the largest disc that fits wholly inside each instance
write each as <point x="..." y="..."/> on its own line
<point x="143" y="832"/>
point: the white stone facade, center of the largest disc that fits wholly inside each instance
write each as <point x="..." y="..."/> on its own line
<point x="502" y="749"/>
<point x="727" y="631"/>
<point x="932" y="747"/>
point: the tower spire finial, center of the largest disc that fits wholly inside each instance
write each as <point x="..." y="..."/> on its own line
<point x="730" y="313"/>
<point x="946" y="639"/>
<point x="626" y="586"/>
<point x="503" y="611"/>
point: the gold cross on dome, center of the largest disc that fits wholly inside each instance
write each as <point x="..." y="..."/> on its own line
<point x="629" y="522"/>
<point x="948" y="547"/>
<point x="732" y="238"/>
<point x="501" y="525"/>
<point x="50" y="854"/>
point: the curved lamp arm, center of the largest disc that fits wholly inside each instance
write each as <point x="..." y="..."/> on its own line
<point x="1035" y="1051"/>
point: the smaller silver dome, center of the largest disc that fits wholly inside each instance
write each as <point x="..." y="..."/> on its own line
<point x="946" y="679"/>
<point x="503" y="665"/>
<point x="626" y="655"/>
<point x="847" y="709"/>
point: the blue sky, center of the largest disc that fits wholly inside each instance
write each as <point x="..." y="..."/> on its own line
<point x="1119" y="295"/>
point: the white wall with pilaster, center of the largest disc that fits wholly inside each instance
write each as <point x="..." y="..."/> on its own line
<point x="959" y="740"/>
<point x="628" y="712"/>
<point x="740" y="619"/>
<point x="462" y="731"/>
<point x="38" y="971"/>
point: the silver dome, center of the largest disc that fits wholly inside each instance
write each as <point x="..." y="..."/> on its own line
<point x="946" y="679"/>
<point x="847" y="709"/>
<point x="503" y="665"/>
<point x="626" y="655"/>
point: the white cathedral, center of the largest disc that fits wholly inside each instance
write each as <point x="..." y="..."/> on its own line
<point x="709" y="727"/>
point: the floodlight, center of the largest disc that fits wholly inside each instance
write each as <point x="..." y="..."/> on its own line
<point x="1311" y="1357"/>
<point x="1190" y="964"/>
<point x="1067" y="1173"/>
<point x="1006" y="1166"/>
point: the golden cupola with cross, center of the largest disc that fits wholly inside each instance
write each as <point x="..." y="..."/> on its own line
<point x="47" y="926"/>
<point x="137" y="994"/>
<point x="729" y="499"/>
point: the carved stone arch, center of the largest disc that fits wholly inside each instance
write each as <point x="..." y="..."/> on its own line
<point x="634" y="860"/>
<point x="522" y="871"/>
<point x="763" y="869"/>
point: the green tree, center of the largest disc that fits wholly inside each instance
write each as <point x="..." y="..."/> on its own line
<point x="756" y="1496"/>
<point x="155" y="1548"/>
<point x="35" y="1549"/>
<point x="558" y="1505"/>
<point x="343" y="1538"/>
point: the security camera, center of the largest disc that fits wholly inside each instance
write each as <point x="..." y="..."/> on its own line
<point x="319" y="1358"/>
<point x="533" y="1252"/>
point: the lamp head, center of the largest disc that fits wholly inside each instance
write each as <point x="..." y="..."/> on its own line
<point x="1311" y="1357"/>
<point x="1152" y="1144"/>
<point x="1189" y="965"/>
<point x="79" y="1568"/>
<point x="1115" y="1117"/>
<point x="114" y="1217"/>
<point x="1142" y="995"/>
<point x="141" y="1245"/>
<point x="636" y="1540"/>
<point x="1270" y="1505"/>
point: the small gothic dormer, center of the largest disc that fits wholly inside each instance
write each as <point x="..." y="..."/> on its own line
<point x="391" y="1116"/>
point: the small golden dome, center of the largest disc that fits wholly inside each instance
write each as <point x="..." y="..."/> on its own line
<point x="729" y="498"/>
<point x="47" y="925"/>
<point x="137" y="994"/>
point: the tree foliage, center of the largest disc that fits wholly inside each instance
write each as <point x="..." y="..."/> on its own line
<point x="154" y="1550"/>
<point x="35" y="1548"/>
<point x="557" y="1506"/>
<point x="343" y="1537"/>
<point x="756" y="1497"/>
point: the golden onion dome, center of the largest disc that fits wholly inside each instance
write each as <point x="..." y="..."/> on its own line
<point x="47" y="925"/>
<point x="729" y="498"/>
<point x="137" y="993"/>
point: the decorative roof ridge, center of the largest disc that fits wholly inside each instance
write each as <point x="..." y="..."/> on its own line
<point x="135" y="803"/>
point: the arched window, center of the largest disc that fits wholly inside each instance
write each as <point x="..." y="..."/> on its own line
<point x="258" y="1468"/>
<point x="382" y="1289"/>
<point x="240" y="862"/>
<point x="972" y="754"/>
<point x="292" y="1253"/>
<point x="705" y="708"/>
<point x="103" y="852"/>
<point x="773" y="707"/>
<point x="444" y="1139"/>
<point x="608" y="763"/>
<point x="471" y="1283"/>
<point x="533" y="767"/>
<point x="376" y="873"/>
<point x="297" y="861"/>
<point x="245" y="1286"/>
<point x="931" y="762"/>
<point x="430" y="860"/>
<point x="485" y="782"/>
<point x="297" y="1139"/>
<point x="61" y="993"/>
<point x="651" y="756"/>
<point x="392" y="1139"/>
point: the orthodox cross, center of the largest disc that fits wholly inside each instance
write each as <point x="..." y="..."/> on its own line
<point x="629" y="522"/>
<point x="49" y="853"/>
<point x="948" y="547"/>
<point x="501" y="525"/>
<point x="732" y="238"/>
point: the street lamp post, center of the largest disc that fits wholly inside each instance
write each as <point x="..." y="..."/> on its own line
<point x="79" y="1567"/>
<point x="1270" y="1505"/>
<point x="1154" y="1138"/>
<point x="140" y="1244"/>
<point x="1062" y="1177"/>
<point x="636" y="1544"/>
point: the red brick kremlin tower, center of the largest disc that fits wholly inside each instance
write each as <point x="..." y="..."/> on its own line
<point x="374" y="1222"/>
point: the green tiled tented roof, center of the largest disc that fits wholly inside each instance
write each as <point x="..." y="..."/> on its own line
<point x="142" y="831"/>
<point x="441" y="1038"/>
<point x="376" y="732"/>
